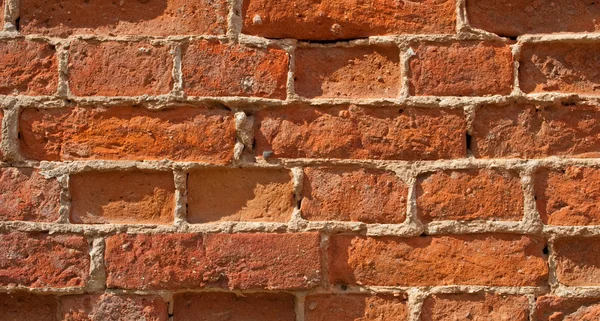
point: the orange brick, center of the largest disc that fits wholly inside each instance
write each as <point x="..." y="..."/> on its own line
<point x="357" y="72"/>
<point x="234" y="261"/>
<point x="156" y="18"/>
<point x="233" y="307"/>
<point x="29" y="68"/>
<point x="357" y="132"/>
<point x="347" y="19"/>
<point x="119" y="68"/>
<point x="211" y="68"/>
<point x="40" y="260"/>
<point x="484" y="259"/>
<point x="362" y="307"/>
<point x="122" y="197"/>
<point x="575" y="266"/>
<point x="467" y="195"/>
<point x="128" y="133"/>
<point x="25" y="306"/>
<point x="461" y="69"/>
<point x="490" y="307"/>
<point x="551" y="308"/>
<point x="240" y="195"/>
<point x="560" y="67"/>
<point x="510" y="18"/>
<point x="535" y="131"/>
<point x="568" y="196"/>
<point x="370" y="196"/>
<point x="25" y="195"/>
<point x="113" y="307"/>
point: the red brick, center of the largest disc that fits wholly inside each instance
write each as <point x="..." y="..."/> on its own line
<point x="551" y="308"/>
<point x="509" y="18"/>
<point x="568" y="196"/>
<point x="21" y="306"/>
<point x="356" y="72"/>
<point x="244" y="194"/>
<point x="220" y="306"/>
<point x="235" y="261"/>
<point x="39" y="260"/>
<point x="29" y="68"/>
<point x="467" y="195"/>
<point x="560" y="67"/>
<point x="113" y="307"/>
<point x="461" y="69"/>
<point x="485" y="259"/>
<point x="128" y="133"/>
<point x="529" y="131"/>
<point x="575" y="263"/>
<point x="114" y="68"/>
<point x="122" y="197"/>
<point x="345" y="194"/>
<point x="361" y="132"/>
<point x="490" y="307"/>
<point x="212" y="68"/>
<point x="25" y="195"/>
<point x="1" y="126"/>
<point x="157" y="18"/>
<point x="347" y="19"/>
<point x="362" y="307"/>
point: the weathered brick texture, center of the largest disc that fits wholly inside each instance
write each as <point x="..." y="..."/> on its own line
<point x="461" y="69"/>
<point x="29" y="68"/>
<point x="358" y="72"/>
<point x="500" y="260"/>
<point x="127" y="133"/>
<point x="357" y="132"/>
<point x="299" y="160"/>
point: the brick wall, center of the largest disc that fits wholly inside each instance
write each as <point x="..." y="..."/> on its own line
<point x="300" y="160"/>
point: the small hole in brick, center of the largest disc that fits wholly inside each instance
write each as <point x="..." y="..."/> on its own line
<point x="18" y="24"/>
<point x="344" y="287"/>
<point x="300" y="203"/>
<point x="513" y="38"/>
<point x="545" y="250"/>
<point x="19" y="135"/>
<point x="423" y="235"/>
<point x="535" y="198"/>
<point x="469" y="139"/>
<point x="400" y="111"/>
